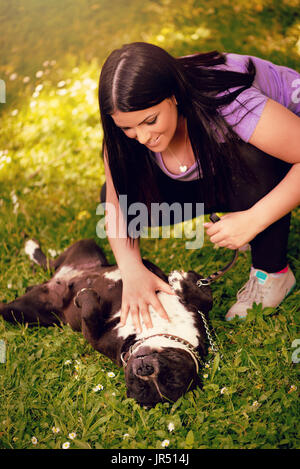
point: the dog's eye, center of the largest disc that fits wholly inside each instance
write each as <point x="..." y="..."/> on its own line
<point x="171" y="380"/>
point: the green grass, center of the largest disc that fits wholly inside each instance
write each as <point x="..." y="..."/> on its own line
<point x="50" y="176"/>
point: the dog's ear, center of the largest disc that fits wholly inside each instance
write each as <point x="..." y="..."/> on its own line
<point x="155" y="270"/>
<point x="192" y="294"/>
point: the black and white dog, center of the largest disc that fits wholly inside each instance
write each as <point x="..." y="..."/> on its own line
<point x="85" y="292"/>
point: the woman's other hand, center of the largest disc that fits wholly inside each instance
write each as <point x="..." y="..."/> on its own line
<point x="233" y="230"/>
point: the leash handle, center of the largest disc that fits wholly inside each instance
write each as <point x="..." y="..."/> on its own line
<point x="214" y="218"/>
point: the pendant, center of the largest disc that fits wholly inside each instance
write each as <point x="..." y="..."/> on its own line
<point x="183" y="168"/>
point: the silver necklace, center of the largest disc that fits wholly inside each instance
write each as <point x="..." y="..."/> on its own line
<point x="182" y="167"/>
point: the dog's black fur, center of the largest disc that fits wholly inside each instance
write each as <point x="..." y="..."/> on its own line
<point x="153" y="374"/>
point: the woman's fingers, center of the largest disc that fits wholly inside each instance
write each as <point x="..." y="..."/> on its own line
<point x="144" y="311"/>
<point x="124" y="314"/>
<point x="137" y="305"/>
<point x="138" y="312"/>
<point x="136" y="318"/>
<point x="156" y="304"/>
<point x="165" y="287"/>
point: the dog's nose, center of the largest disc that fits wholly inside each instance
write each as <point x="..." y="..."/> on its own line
<point x="144" y="369"/>
<point x="145" y="363"/>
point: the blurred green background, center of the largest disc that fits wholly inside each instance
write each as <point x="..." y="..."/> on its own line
<point x="73" y="33"/>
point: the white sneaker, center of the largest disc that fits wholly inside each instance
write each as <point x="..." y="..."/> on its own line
<point x="262" y="288"/>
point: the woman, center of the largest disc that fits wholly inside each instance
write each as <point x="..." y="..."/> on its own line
<point x="222" y="129"/>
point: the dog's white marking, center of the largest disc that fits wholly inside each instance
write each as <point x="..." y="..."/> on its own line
<point x="175" y="279"/>
<point x="114" y="275"/>
<point x="30" y="247"/>
<point x="67" y="272"/>
<point x="182" y="322"/>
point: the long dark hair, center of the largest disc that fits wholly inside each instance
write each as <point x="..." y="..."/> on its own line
<point x="141" y="75"/>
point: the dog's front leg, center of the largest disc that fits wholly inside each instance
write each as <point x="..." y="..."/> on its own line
<point x="92" y="314"/>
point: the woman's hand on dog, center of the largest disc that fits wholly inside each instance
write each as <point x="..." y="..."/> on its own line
<point x="139" y="292"/>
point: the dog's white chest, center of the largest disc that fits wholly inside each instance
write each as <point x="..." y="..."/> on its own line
<point x="182" y="323"/>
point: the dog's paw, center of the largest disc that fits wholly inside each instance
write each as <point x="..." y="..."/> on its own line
<point x="31" y="248"/>
<point x="176" y="279"/>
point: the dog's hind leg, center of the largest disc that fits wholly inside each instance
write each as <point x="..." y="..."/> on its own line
<point x="33" y="250"/>
<point x="35" y="253"/>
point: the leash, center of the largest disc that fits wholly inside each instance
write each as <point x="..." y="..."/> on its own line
<point x="207" y="281"/>
<point x="211" y="278"/>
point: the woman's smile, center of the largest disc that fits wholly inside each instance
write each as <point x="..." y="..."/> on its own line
<point x="154" y="142"/>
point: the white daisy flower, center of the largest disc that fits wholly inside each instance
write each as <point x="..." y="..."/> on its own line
<point x="66" y="445"/>
<point x="55" y="429"/>
<point x="111" y="374"/>
<point x="72" y="435"/>
<point x="34" y="440"/>
<point x="165" y="443"/>
<point x="97" y="388"/>
<point x="171" y="426"/>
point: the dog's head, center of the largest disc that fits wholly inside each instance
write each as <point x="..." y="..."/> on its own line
<point x="160" y="374"/>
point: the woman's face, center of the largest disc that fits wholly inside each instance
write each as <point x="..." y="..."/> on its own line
<point x="153" y="127"/>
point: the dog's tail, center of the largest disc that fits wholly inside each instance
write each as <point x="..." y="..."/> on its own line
<point x="33" y="249"/>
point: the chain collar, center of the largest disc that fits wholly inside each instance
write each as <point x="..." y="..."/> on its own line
<point x="125" y="356"/>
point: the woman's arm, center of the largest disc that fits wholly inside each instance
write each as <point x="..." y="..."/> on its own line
<point x="278" y="134"/>
<point x="139" y="284"/>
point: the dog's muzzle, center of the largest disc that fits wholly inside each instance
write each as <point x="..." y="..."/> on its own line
<point x="125" y="356"/>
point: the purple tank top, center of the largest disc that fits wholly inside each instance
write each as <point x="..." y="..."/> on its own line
<point x="277" y="82"/>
